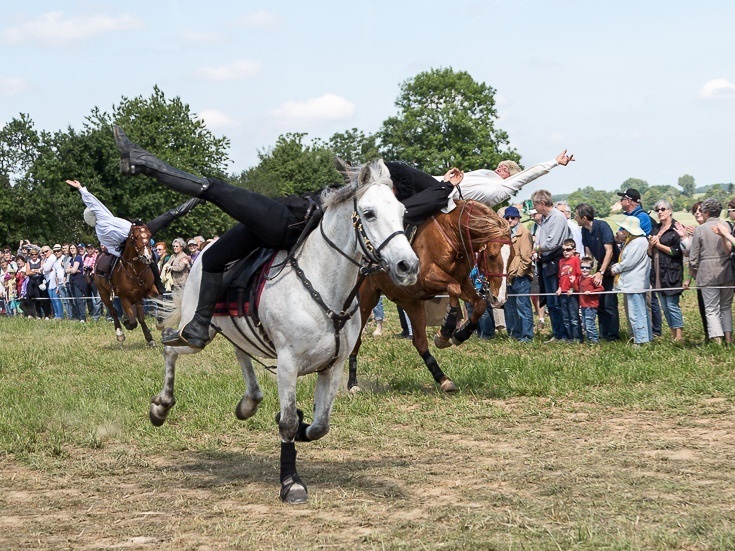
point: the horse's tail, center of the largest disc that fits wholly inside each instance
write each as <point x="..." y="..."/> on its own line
<point x="170" y="309"/>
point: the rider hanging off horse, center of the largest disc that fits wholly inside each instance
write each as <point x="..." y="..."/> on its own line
<point x="279" y="223"/>
<point x="113" y="231"/>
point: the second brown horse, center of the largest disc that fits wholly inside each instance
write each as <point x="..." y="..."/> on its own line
<point x="448" y="246"/>
<point x="132" y="281"/>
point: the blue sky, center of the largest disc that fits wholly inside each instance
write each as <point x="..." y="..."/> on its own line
<point x="633" y="89"/>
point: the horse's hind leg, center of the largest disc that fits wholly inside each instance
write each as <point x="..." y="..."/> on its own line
<point x="478" y="309"/>
<point x="162" y="402"/>
<point x="141" y="319"/>
<point x="368" y="300"/>
<point x="248" y="405"/>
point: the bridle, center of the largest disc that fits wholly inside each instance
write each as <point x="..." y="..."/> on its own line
<point x="370" y="263"/>
<point x="132" y="271"/>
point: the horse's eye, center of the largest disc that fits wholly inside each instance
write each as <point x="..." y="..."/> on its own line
<point x="369" y="214"/>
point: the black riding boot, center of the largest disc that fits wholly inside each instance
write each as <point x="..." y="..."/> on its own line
<point x="196" y="333"/>
<point x="136" y="160"/>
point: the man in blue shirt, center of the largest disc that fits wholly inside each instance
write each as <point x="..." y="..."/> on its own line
<point x="630" y="202"/>
<point x="599" y="243"/>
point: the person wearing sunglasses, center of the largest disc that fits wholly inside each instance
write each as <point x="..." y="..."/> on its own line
<point x="667" y="267"/>
<point x="518" y="311"/>
<point x="569" y="278"/>
<point x="589" y="300"/>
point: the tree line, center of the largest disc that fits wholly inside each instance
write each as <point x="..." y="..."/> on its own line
<point x="444" y="118"/>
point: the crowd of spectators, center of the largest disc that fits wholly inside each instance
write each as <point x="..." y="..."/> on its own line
<point x="57" y="281"/>
<point x="572" y="278"/>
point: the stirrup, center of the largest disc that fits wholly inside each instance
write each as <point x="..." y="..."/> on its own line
<point x="171" y="337"/>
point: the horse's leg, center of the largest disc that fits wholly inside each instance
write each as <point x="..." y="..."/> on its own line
<point x="107" y="301"/>
<point x="368" y="300"/>
<point x="141" y="319"/>
<point x="449" y="323"/>
<point x="327" y="386"/>
<point x="162" y="402"/>
<point x="248" y="405"/>
<point x="293" y="490"/>
<point x="129" y="319"/>
<point x="417" y="314"/>
<point x="469" y="294"/>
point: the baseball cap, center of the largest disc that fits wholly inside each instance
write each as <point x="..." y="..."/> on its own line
<point x="191" y="242"/>
<point x="631" y="194"/>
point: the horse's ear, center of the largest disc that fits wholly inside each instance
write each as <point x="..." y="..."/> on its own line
<point x="366" y="175"/>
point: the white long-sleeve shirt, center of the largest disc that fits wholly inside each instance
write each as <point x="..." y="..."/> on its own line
<point x="111" y="230"/>
<point x="487" y="187"/>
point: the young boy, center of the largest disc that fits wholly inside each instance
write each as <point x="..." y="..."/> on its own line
<point x="588" y="301"/>
<point x="569" y="278"/>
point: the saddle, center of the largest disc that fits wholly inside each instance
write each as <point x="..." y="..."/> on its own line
<point x="105" y="265"/>
<point x="243" y="284"/>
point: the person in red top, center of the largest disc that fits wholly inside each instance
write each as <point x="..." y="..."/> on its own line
<point x="569" y="277"/>
<point x="588" y="301"/>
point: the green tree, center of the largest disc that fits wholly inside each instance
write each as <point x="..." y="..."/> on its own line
<point x="354" y="146"/>
<point x="686" y="183"/>
<point x="635" y="183"/>
<point x="49" y="210"/>
<point x="599" y="199"/>
<point x="445" y="119"/>
<point x="291" y="167"/>
<point x="656" y="193"/>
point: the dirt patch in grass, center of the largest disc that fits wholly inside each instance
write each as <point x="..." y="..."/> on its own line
<point x="540" y="474"/>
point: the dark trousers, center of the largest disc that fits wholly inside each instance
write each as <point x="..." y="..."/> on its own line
<point x="655" y="313"/>
<point x="607" y="312"/>
<point x="263" y="223"/>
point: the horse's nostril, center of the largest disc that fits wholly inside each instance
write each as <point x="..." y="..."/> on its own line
<point x="403" y="266"/>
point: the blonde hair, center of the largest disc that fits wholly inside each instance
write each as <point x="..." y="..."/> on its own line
<point x="512" y="166"/>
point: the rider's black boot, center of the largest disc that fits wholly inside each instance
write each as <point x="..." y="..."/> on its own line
<point x="185" y="208"/>
<point x="196" y="333"/>
<point x="136" y="160"/>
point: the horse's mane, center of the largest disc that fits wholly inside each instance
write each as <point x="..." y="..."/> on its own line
<point x="483" y="223"/>
<point x="360" y="178"/>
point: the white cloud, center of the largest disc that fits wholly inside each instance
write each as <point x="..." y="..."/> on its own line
<point x="259" y="19"/>
<point x="13" y="86"/>
<point x="217" y="120"/>
<point x="54" y="29"/>
<point x="237" y="70"/>
<point x="328" y="107"/>
<point x="717" y="88"/>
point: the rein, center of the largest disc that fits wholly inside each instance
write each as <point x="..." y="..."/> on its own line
<point x="129" y="266"/>
<point x="372" y="262"/>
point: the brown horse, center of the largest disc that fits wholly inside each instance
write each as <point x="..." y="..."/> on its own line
<point x="131" y="281"/>
<point x="448" y="246"/>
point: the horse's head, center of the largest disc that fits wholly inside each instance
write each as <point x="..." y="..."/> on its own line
<point x="139" y="241"/>
<point x="378" y="222"/>
<point x="489" y="235"/>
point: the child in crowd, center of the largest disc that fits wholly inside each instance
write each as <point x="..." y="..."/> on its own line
<point x="569" y="278"/>
<point x="588" y="301"/>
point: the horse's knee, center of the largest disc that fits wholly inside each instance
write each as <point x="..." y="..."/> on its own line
<point x="288" y="425"/>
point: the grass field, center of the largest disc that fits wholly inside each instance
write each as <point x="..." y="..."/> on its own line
<point x="546" y="446"/>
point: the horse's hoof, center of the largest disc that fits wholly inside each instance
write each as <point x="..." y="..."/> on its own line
<point x="155" y="420"/>
<point x="293" y="492"/>
<point x="441" y="341"/>
<point x="448" y="386"/>
<point x="120" y="338"/>
<point x="354" y="390"/>
<point x="152" y="344"/>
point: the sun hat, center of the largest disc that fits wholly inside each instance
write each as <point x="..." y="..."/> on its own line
<point x="511" y="211"/>
<point x="57" y="247"/>
<point x="632" y="225"/>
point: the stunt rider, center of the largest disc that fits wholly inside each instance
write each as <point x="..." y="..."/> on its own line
<point x="263" y="222"/>
<point x="112" y="231"/>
